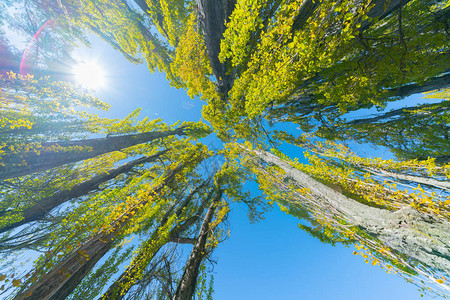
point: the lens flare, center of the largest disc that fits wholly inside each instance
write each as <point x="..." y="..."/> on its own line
<point x="89" y="75"/>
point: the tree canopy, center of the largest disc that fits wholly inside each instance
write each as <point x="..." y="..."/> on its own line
<point x="85" y="195"/>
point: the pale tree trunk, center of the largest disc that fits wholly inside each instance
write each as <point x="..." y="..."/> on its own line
<point x="48" y="158"/>
<point x="65" y="277"/>
<point x="440" y="184"/>
<point x="45" y="205"/>
<point x="421" y="237"/>
<point x="186" y="287"/>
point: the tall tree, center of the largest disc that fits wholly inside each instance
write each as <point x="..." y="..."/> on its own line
<point x="65" y="276"/>
<point x="123" y="218"/>
<point x="186" y="287"/>
<point x="310" y="62"/>
<point x="225" y="185"/>
<point x="47" y="114"/>
<point x="327" y="57"/>
<point x="158" y="239"/>
<point x="112" y="206"/>
<point x="413" y="132"/>
<point x="53" y="154"/>
<point x="401" y="229"/>
<point x="45" y="205"/>
<point x="311" y="54"/>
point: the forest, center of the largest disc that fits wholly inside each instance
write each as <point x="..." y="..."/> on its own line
<point x="332" y="114"/>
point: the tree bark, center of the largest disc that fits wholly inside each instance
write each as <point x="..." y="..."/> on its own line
<point x="65" y="277"/>
<point x="407" y="231"/>
<point x="213" y="15"/>
<point x="45" y="205"/>
<point x="47" y="159"/>
<point x="186" y="287"/>
<point x="440" y="184"/>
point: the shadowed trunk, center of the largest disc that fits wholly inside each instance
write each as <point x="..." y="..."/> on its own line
<point x="406" y="112"/>
<point x="52" y="155"/>
<point x="45" y="205"/>
<point x="298" y="108"/>
<point x="186" y="287"/>
<point x="382" y="9"/>
<point x="437" y="82"/>
<point x="213" y="14"/>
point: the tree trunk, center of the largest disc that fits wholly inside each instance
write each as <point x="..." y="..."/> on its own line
<point x="382" y="9"/>
<point x="45" y="205"/>
<point x="143" y="5"/>
<point x="399" y="175"/>
<point x="437" y="82"/>
<point x="213" y="15"/>
<point x="407" y="231"/>
<point x="65" y="277"/>
<point x="48" y="158"/>
<point x="186" y="287"/>
<point x="440" y="184"/>
<point x="307" y="8"/>
<point x="406" y="113"/>
<point x="121" y="286"/>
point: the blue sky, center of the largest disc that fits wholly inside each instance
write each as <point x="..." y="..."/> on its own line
<point x="272" y="259"/>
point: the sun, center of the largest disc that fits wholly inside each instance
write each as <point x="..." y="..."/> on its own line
<point x="89" y="75"/>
